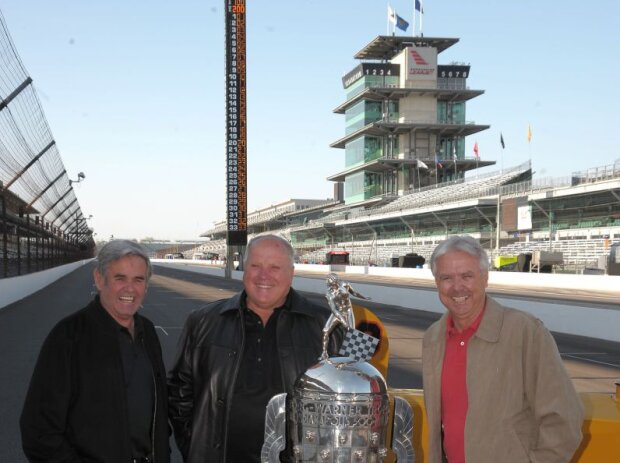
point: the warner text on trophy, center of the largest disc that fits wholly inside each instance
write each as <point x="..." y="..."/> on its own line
<point x="339" y="410"/>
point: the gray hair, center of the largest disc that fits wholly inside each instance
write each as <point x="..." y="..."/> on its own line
<point x="117" y="249"/>
<point x="463" y="243"/>
<point x="271" y="237"/>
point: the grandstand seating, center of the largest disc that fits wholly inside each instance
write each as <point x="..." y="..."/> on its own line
<point x="582" y="211"/>
<point x="578" y="253"/>
<point x="476" y="187"/>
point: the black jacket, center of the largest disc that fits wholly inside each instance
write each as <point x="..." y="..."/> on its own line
<point x="76" y="407"/>
<point x="201" y="382"/>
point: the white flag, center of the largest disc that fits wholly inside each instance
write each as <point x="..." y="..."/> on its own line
<point x="422" y="164"/>
<point x="391" y="15"/>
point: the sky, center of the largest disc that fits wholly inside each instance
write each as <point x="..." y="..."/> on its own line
<point x="134" y="94"/>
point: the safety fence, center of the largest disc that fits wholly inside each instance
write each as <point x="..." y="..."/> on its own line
<point x="41" y="222"/>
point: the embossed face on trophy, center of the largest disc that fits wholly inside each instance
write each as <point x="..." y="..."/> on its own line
<point x="339" y="409"/>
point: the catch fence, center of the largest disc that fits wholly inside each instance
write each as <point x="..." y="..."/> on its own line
<point x="41" y="222"/>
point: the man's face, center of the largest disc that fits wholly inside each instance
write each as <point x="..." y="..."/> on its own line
<point x="123" y="287"/>
<point x="461" y="285"/>
<point x="267" y="276"/>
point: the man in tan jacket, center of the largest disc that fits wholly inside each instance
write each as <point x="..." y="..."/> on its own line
<point x="495" y="387"/>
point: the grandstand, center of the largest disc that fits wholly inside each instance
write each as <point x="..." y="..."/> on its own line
<point x="581" y="215"/>
<point x="158" y="249"/>
<point x="273" y="217"/>
<point x="407" y="183"/>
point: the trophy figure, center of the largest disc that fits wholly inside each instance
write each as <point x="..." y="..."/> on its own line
<point x="339" y="409"/>
<point x="342" y="311"/>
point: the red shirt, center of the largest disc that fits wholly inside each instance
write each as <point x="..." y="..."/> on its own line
<point x="454" y="389"/>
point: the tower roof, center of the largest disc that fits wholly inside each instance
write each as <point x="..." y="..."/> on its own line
<point x="386" y="47"/>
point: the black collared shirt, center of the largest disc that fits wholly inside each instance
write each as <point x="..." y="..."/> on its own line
<point x="258" y="380"/>
<point x="138" y="374"/>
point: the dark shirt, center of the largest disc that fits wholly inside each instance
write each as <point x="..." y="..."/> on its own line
<point x="138" y="375"/>
<point x="258" y="380"/>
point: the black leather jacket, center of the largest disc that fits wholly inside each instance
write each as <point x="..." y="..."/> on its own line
<point x="76" y="408"/>
<point x="201" y="382"/>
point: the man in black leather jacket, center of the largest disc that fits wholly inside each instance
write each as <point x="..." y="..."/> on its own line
<point x="98" y="391"/>
<point x="235" y="354"/>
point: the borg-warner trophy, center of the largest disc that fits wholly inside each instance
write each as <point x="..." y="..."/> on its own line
<point x="339" y="410"/>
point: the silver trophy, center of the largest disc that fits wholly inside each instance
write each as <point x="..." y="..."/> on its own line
<point x="340" y="408"/>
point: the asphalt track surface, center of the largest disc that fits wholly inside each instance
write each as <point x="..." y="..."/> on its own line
<point x="594" y="365"/>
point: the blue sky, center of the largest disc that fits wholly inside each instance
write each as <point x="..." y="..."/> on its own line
<point x="134" y="94"/>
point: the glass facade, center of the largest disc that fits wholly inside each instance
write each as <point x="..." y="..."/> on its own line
<point x="449" y="147"/>
<point x="366" y="112"/>
<point x="370" y="81"/>
<point x="361" y="186"/>
<point x="362" y="150"/>
<point x="392" y="139"/>
<point x="452" y="83"/>
<point x="361" y="114"/>
<point x="450" y="112"/>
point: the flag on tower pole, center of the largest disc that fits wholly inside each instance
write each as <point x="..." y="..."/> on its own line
<point x="476" y="154"/>
<point x="396" y="20"/>
<point x="401" y="23"/>
<point x="438" y="166"/>
<point x="501" y="140"/>
<point x="529" y="141"/>
<point x="391" y="17"/>
<point x="454" y="156"/>
<point x="417" y="6"/>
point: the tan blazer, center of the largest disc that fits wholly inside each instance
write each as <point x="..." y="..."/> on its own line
<point x="522" y="404"/>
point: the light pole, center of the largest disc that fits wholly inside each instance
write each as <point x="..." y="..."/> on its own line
<point x="81" y="177"/>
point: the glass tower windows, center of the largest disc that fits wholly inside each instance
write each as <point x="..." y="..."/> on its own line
<point x="451" y="112"/>
<point x="361" y="114"/>
<point x="453" y="83"/>
<point x="370" y="81"/>
<point x="362" y="150"/>
<point x="361" y="186"/>
<point x="366" y="112"/>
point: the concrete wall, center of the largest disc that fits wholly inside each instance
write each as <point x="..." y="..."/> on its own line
<point x="15" y="288"/>
<point x="517" y="279"/>
<point x="593" y="320"/>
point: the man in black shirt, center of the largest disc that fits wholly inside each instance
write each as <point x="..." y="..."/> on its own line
<point x="235" y="354"/>
<point x="98" y="391"/>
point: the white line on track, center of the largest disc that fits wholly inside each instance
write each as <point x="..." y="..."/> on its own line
<point x="161" y="328"/>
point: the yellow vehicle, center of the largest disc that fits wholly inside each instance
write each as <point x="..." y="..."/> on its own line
<point x="505" y="263"/>
<point x="601" y="426"/>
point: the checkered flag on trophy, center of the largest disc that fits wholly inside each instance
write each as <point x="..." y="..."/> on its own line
<point x="358" y="345"/>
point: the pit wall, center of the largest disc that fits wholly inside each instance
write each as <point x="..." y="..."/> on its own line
<point x="591" y="319"/>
